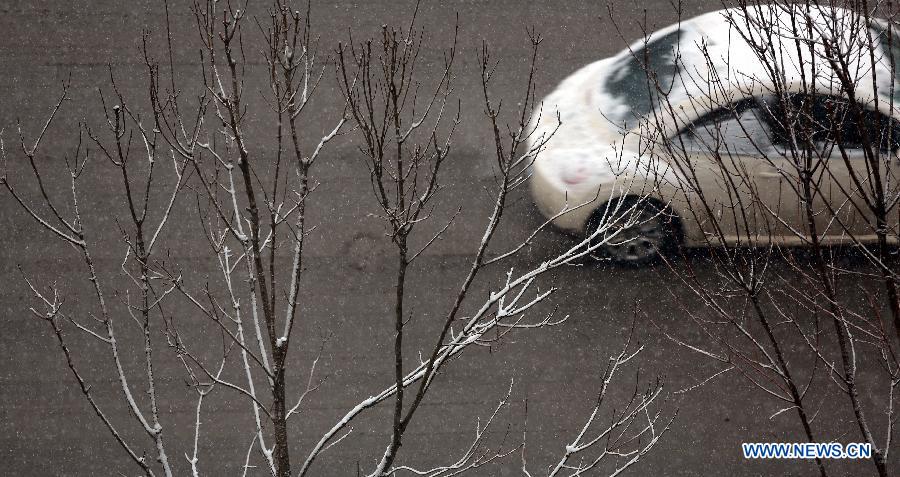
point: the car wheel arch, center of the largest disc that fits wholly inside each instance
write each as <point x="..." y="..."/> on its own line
<point x="676" y="224"/>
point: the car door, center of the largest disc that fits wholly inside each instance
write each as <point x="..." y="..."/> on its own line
<point x="831" y="135"/>
<point x="739" y="177"/>
<point x="848" y="194"/>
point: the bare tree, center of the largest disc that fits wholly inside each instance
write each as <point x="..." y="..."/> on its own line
<point x="252" y="193"/>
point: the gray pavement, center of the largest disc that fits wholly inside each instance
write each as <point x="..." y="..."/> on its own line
<point x="46" y="428"/>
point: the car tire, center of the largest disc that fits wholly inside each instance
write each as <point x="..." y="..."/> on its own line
<point x="653" y="231"/>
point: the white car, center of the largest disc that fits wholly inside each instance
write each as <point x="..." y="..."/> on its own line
<point x="598" y="159"/>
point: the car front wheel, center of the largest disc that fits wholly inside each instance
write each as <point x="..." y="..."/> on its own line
<point x="632" y="231"/>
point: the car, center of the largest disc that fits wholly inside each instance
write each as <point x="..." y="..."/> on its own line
<point x="603" y="139"/>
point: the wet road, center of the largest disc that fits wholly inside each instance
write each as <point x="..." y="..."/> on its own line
<point x="47" y="428"/>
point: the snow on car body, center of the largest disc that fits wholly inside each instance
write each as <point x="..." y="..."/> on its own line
<point x="598" y="151"/>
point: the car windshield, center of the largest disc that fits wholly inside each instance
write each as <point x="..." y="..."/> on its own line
<point x="890" y="47"/>
<point x="633" y="83"/>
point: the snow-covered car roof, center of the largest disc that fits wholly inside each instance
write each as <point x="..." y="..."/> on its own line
<point x="710" y="56"/>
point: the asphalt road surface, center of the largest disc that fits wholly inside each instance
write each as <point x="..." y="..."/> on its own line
<point x="46" y="427"/>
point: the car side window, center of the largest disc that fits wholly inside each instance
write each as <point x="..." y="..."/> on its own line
<point x="738" y="128"/>
<point x="828" y="122"/>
